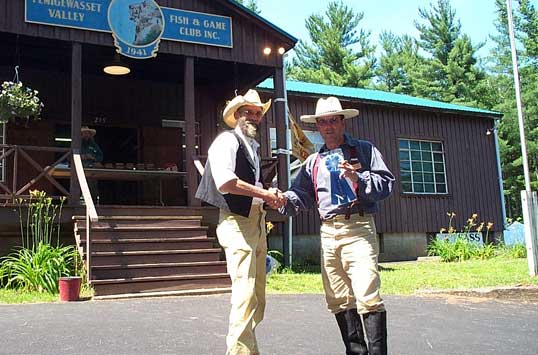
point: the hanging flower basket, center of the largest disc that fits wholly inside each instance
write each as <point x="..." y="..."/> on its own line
<point x="18" y="102"/>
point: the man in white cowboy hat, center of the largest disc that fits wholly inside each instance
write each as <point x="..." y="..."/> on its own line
<point x="231" y="182"/>
<point x="345" y="180"/>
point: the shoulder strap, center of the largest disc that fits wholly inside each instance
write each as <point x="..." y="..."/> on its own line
<point x="315" y="176"/>
<point x="354" y="156"/>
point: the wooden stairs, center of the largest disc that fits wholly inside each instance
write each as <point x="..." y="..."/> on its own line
<point x="145" y="255"/>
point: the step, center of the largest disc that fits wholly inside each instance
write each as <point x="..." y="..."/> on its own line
<point x="133" y="244"/>
<point x="139" y="223"/>
<point x="153" y="257"/>
<point x="189" y="292"/>
<point x="160" y="284"/>
<point x="133" y="233"/>
<point x="160" y="269"/>
<point x="141" y="217"/>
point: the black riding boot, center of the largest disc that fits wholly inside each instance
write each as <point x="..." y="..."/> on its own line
<point x="375" y="324"/>
<point x="350" y="326"/>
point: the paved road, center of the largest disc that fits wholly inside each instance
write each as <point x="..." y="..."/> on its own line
<point x="294" y="325"/>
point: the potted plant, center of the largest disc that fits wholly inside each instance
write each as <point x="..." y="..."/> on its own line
<point x="19" y="103"/>
<point x="69" y="286"/>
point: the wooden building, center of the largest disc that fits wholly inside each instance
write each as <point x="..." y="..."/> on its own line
<point x="153" y="124"/>
<point x="186" y="59"/>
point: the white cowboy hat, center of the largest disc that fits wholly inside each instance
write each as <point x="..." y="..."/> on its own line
<point x="329" y="107"/>
<point x="87" y="129"/>
<point x="251" y="98"/>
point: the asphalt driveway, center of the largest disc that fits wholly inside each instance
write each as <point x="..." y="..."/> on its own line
<point x="294" y="325"/>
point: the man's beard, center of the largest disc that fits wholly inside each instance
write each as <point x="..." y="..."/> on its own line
<point x="249" y="128"/>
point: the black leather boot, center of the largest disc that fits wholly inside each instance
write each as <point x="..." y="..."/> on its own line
<point x="375" y="324"/>
<point x="350" y="326"/>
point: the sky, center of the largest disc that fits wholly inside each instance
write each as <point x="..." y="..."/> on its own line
<point x="398" y="16"/>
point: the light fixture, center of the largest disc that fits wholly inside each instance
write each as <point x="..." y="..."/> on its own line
<point x="116" y="67"/>
<point x="489" y="131"/>
<point x="281" y="50"/>
<point x="267" y="50"/>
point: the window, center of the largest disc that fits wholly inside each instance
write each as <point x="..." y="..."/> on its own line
<point x="422" y="167"/>
<point x="3" y="161"/>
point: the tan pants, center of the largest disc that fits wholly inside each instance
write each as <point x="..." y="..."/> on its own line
<point x="349" y="251"/>
<point x="244" y="242"/>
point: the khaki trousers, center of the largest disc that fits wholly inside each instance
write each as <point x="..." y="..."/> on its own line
<point x="244" y="242"/>
<point x="349" y="251"/>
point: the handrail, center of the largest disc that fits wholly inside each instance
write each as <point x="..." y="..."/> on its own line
<point x="198" y="163"/>
<point x="91" y="213"/>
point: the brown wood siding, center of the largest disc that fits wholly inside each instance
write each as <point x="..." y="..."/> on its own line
<point x="250" y="35"/>
<point x="470" y="161"/>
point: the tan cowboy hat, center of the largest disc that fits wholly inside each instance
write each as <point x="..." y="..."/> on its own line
<point x="88" y="129"/>
<point x="329" y="107"/>
<point x="251" y="98"/>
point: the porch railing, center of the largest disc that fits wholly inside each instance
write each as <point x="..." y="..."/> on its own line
<point x="13" y="156"/>
<point x="91" y="213"/>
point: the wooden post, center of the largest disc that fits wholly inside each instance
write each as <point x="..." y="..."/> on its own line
<point x="76" y="116"/>
<point x="190" y="130"/>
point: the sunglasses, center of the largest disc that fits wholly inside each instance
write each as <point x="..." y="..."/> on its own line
<point x="251" y="113"/>
<point x="328" y="121"/>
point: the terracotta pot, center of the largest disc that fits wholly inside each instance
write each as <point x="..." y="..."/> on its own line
<point x="69" y="288"/>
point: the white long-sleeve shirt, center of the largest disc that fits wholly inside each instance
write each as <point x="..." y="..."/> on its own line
<point x="222" y="154"/>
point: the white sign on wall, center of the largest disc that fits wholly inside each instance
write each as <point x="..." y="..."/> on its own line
<point x="473" y="237"/>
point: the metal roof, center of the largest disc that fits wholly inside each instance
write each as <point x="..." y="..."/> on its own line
<point x="373" y="95"/>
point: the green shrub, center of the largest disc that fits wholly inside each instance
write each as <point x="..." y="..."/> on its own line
<point x="486" y="251"/>
<point x="457" y="250"/>
<point x="37" y="269"/>
<point x="515" y="251"/>
<point x="41" y="261"/>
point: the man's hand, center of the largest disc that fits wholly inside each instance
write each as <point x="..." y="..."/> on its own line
<point x="349" y="171"/>
<point x="275" y="198"/>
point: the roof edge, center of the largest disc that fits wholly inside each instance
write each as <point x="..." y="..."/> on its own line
<point x="291" y="86"/>
<point x="270" y="24"/>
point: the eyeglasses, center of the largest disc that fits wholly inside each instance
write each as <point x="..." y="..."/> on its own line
<point x="251" y="113"/>
<point x="328" y="121"/>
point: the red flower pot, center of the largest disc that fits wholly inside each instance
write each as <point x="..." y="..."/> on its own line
<point x="69" y="288"/>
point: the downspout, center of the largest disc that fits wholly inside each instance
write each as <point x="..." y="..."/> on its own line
<point x="499" y="171"/>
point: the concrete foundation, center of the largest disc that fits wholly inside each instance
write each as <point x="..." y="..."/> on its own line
<point x="393" y="247"/>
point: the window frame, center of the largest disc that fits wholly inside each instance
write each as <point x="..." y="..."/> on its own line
<point x="414" y="161"/>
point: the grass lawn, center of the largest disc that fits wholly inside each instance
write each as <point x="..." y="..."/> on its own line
<point x="396" y="279"/>
<point x="408" y="277"/>
<point x="13" y="296"/>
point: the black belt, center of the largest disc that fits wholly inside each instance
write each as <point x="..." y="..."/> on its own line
<point x="345" y="216"/>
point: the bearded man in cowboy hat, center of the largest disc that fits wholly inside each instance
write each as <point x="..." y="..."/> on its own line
<point x="345" y="180"/>
<point x="231" y="182"/>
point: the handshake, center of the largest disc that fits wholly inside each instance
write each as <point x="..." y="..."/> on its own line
<point x="275" y="198"/>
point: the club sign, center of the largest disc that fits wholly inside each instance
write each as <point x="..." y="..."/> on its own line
<point x="137" y="26"/>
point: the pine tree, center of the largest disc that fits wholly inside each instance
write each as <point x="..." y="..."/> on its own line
<point x="252" y="5"/>
<point x="526" y="28"/>
<point x="399" y="64"/>
<point x="439" y="34"/>
<point x="452" y="72"/>
<point x="340" y="54"/>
